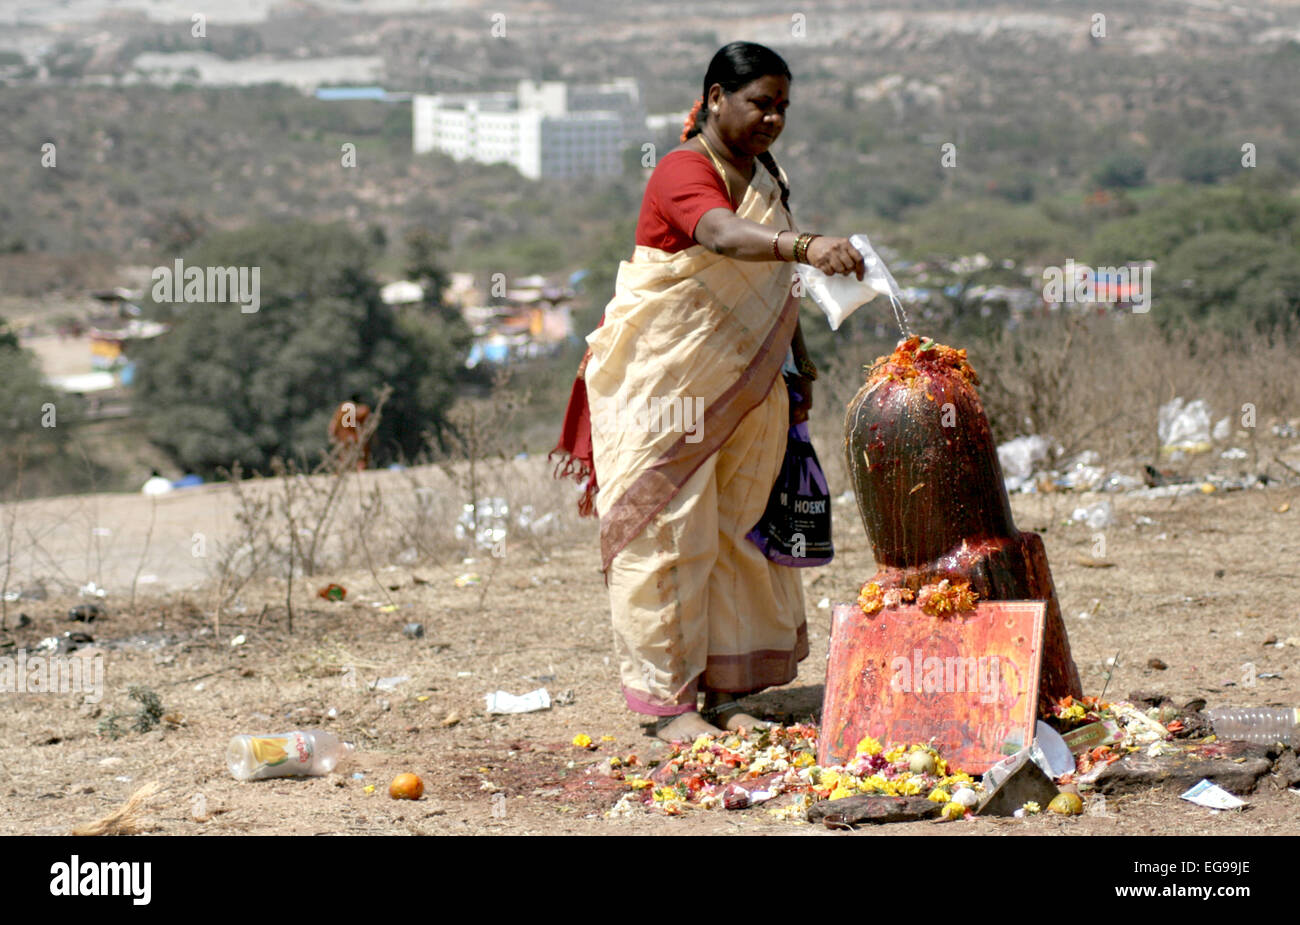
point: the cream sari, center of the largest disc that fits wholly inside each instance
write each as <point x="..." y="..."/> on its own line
<point x="689" y="421"/>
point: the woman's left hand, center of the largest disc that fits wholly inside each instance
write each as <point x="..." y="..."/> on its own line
<point x="799" y="411"/>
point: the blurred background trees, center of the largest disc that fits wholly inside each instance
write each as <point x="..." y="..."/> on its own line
<point x="224" y="385"/>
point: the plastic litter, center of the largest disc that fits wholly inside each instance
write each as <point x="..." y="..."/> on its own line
<point x="527" y="519"/>
<point x="389" y="684"/>
<point x="1048" y="751"/>
<point x="1184" y="426"/>
<point x="488" y="521"/>
<point x="413" y="630"/>
<point x="1083" y="474"/>
<point x="531" y="702"/>
<point x="1052" y="755"/>
<point x="1119" y="482"/>
<point x="1262" y="725"/>
<point x="1019" y="458"/>
<point x="300" y="753"/>
<point x="1212" y="796"/>
<point x="1095" y="516"/>
<point x="840" y="296"/>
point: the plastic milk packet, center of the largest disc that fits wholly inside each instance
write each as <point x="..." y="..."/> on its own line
<point x="840" y="296"/>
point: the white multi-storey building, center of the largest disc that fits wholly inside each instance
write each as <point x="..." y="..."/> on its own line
<point x="545" y="130"/>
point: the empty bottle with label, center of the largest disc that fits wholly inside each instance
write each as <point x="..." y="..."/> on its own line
<point x="301" y="753"/>
<point x="1262" y="725"/>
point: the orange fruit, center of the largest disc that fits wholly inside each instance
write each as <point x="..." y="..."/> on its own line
<point x="406" y="787"/>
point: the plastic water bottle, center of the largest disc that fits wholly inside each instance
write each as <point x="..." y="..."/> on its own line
<point x="1262" y="725"/>
<point x="301" y="753"/>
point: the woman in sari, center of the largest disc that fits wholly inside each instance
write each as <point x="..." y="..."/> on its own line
<point x="681" y="409"/>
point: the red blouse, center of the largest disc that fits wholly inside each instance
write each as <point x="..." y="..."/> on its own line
<point x="683" y="186"/>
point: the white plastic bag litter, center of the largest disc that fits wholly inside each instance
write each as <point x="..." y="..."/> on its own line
<point x="1184" y="426"/>
<point x="1095" y="516"/>
<point x="506" y="702"/>
<point x="1019" y="458"/>
<point x="840" y="296"/>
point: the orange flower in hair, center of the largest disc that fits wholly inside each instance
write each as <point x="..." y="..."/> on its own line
<point x="690" y="118"/>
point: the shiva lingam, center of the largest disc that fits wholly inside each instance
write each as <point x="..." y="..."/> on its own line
<point x="929" y="486"/>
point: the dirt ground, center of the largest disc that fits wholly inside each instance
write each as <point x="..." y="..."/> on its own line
<point x="1200" y="583"/>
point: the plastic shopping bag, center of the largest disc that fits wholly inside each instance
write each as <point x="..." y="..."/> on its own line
<point x="795" y="529"/>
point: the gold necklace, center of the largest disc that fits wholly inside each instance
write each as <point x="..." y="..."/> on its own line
<point x="717" y="162"/>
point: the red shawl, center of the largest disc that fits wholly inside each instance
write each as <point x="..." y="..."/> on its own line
<point x="574" y="449"/>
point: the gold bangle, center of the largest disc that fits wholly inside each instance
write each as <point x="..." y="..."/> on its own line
<point x="807" y="244"/>
<point x="776" y="252"/>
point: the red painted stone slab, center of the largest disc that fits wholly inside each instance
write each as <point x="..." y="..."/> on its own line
<point x="968" y="683"/>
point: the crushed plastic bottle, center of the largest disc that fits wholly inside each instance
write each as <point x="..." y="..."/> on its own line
<point x="301" y="753"/>
<point x="1261" y="725"/>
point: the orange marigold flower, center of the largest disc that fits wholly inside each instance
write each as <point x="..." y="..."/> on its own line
<point x="945" y="599"/>
<point x="871" y="599"/>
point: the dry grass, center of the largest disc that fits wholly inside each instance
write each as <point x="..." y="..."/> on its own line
<point x="1097" y="384"/>
<point x="125" y="820"/>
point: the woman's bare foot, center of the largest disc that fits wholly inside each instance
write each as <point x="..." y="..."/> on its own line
<point x="684" y="727"/>
<point x="727" y="712"/>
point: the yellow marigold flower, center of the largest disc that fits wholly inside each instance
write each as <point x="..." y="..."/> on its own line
<point x="1075" y="712"/>
<point x="908" y="787"/>
<point x="868" y="746"/>
<point x="638" y="783"/>
<point x="828" y="779"/>
<point x="939" y="795"/>
<point x="665" y="794"/>
<point x="874" y="784"/>
<point x="1031" y="807"/>
<point x="582" y="740"/>
<point x="895" y="753"/>
<point x="841" y="791"/>
<point x="952" y="811"/>
<point x="804" y="760"/>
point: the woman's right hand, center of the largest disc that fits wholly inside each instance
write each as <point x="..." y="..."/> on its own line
<point x="836" y="255"/>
